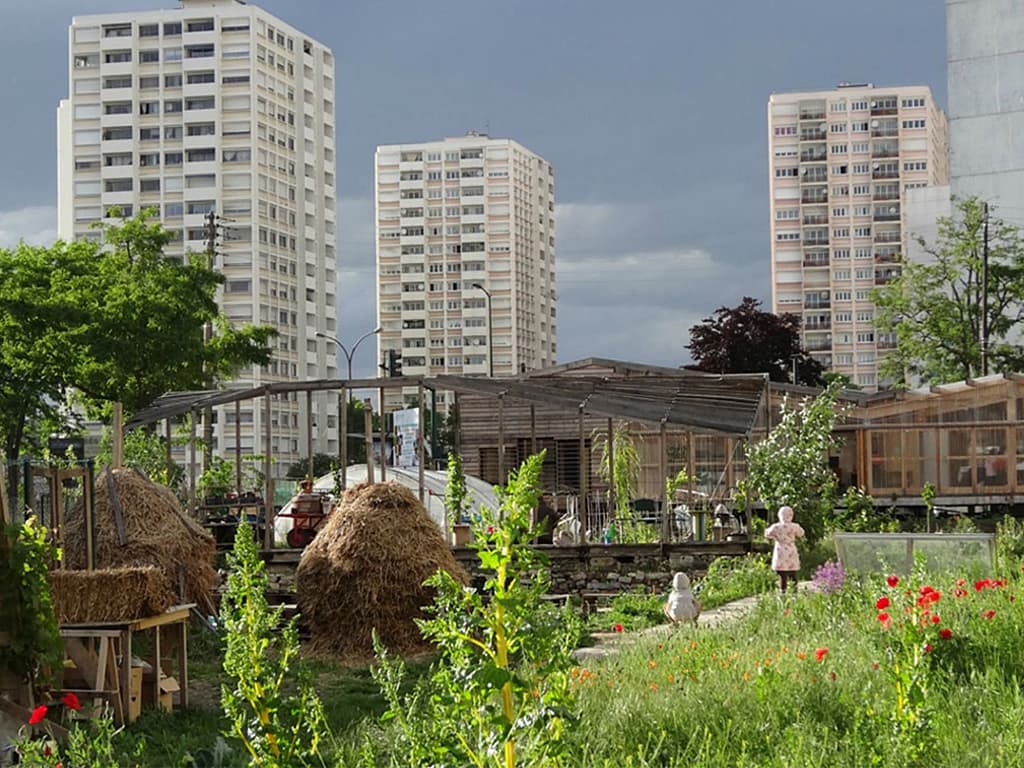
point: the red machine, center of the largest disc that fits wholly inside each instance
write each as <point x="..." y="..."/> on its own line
<point x="307" y="513"/>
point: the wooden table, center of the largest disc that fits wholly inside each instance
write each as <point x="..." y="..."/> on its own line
<point x="109" y="667"/>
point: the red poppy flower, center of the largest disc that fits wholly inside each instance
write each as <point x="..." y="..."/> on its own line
<point x="988" y="615"/>
<point x="960" y="582"/>
<point x="617" y="627"/>
<point x="819" y="654"/>
<point x="927" y="647"/>
<point x="884" y="618"/>
<point x="980" y="585"/>
<point x="874" y="665"/>
<point x="71" y="701"/>
<point x="935" y="619"/>
<point x="37" y="715"/>
<point x="893" y="580"/>
<point x="946" y="633"/>
<point x="958" y="592"/>
<point x="882" y="603"/>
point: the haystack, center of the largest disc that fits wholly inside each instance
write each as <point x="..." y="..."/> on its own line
<point x="365" y="570"/>
<point x="156" y="533"/>
<point x="109" y="594"/>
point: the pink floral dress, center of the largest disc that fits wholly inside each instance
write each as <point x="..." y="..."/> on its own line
<point x="785" y="533"/>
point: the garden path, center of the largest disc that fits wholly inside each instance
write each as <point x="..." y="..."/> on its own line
<point x="606" y="644"/>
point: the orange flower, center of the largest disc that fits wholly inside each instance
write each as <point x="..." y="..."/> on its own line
<point x="652" y="664"/>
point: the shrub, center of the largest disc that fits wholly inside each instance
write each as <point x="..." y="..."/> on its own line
<point x="732" y="578"/>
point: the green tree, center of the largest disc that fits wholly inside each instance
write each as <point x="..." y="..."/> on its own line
<point x="790" y="465"/>
<point x="323" y="464"/>
<point x="934" y="308"/>
<point x="118" y="321"/>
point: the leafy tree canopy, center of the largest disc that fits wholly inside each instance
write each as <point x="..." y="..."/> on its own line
<point x="745" y="339"/>
<point x="118" y="321"/>
<point x="934" y="308"/>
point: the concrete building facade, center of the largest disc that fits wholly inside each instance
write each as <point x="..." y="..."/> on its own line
<point x="985" y="78"/>
<point x="219" y="107"/>
<point x="465" y="233"/>
<point x="840" y="164"/>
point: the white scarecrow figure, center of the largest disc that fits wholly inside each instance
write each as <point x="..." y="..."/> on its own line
<point x="682" y="605"/>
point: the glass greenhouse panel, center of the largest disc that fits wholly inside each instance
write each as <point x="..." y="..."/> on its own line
<point x="966" y="554"/>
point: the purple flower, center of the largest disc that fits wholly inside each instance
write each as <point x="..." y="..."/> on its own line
<point x="829" y="577"/>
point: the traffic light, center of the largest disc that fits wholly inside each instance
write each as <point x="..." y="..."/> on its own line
<point x="394" y="363"/>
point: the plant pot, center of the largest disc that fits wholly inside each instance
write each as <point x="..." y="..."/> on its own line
<point x="461" y="534"/>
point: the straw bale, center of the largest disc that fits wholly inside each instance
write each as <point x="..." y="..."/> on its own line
<point x="365" y="570"/>
<point x="158" y="534"/>
<point x="109" y="594"/>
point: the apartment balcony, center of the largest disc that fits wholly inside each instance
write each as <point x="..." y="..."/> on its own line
<point x="881" y="133"/>
<point x="814" y="196"/>
<point x="812" y="114"/>
<point x="886" y="216"/>
<point x="813" y="156"/>
<point x="817" y="345"/>
<point x="812" y="261"/>
<point x="887" y="237"/>
<point x="814" y="178"/>
<point x="820" y="325"/>
<point x="817" y="304"/>
<point x="886" y="277"/>
<point x="883" y="343"/>
<point x="885" y="151"/>
<point x="815" y="218"/>
<point x="813" y="134"/>
<point x="886" y="110"/>
<point x="893" y="194"/>
<point x="811" y="241"/>
<point x="880" y="174"/>
<point x="888" y="258"/>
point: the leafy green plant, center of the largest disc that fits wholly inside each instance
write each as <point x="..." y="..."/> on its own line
<point x="790" y="465"/>
<point x="456" y="496"/>
<point x="217" y="479"/>
<point x="270" y="703"/>
<point x="630" y="611"/>
<point x="619" y="465"/>
<point x="34" y="649"/>
<point x="733" y="578"/>
<point x="1010" y="545"/>
<point x="499" y="694"/>
<point x="858" y="514"/>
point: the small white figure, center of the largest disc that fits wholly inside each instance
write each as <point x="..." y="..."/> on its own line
<point x="682" y="605"/>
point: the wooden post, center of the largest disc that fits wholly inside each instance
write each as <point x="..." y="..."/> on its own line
<point x="238" y="447"/>
<point x="192" y="462"/>
<point x="666" y="520"/>
<point x="383" y="435"/>
<point x="117" y="448"/>
<point x="458" y="425"/>
<point x="309" y="432"/>
<point x="501" y="438"/>
<point x="343" y="435"/>
<point x="533" y="429"/>
<point x="169" y="442"/>
<point x="268" y="493"/>
<point x="368" y="427"/>
<point x="612" y="501"/>
<point x="419" y="444"/>
<point x="584" y="479"/>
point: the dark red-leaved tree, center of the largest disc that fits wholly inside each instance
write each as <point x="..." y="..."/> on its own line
<point x="744" y="339"/>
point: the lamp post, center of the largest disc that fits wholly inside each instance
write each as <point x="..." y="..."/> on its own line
<point x="490" y="331"/>
<point x="348" y="355"/>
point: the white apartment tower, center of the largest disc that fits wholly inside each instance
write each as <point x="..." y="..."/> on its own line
<point x="465" y="257"/>
<point x="840" y="164"/>
<point x="217" y="106"/>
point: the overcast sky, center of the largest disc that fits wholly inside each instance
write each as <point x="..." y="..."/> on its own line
<point x="653" y="113"/>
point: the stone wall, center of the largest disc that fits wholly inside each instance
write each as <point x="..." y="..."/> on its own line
<point x="576" y="570"/>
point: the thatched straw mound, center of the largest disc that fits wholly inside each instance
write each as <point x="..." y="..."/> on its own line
<point x="109" y="594"/>
<point x="365" y="570"/>
<point x="157" y="534"/>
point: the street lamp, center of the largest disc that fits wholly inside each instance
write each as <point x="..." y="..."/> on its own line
<point x="344" y="351"/>
<point x="490" y="331"/>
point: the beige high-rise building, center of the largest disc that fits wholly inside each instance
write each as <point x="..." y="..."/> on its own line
<point x="218" y="106"/>
<point x="840" y="163"/>
<point x="465" y="257"/>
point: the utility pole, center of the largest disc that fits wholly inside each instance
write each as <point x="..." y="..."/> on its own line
<point x="211" y="250"/>
<point x="984" y="295"/>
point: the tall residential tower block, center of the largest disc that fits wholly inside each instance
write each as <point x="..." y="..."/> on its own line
<point x="840" y="163"/>
<point x="465" y="257"/>
<point x="218" y="107"/>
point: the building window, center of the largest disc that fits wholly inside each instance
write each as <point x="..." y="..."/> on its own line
<point x="915" y="123"/>
<point x="172" y="81"/>
<point x="196" y="78"/>
<point x="117" y="57"/>
<point x="916" y="165"/>
<point x="199" y="25"/>
<point x="172" y="29"/>
<point x="149" y="56"/>
<point x="781" y="173"/>
<point x="785" y="130"/>
<point x="912" y="103"/>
